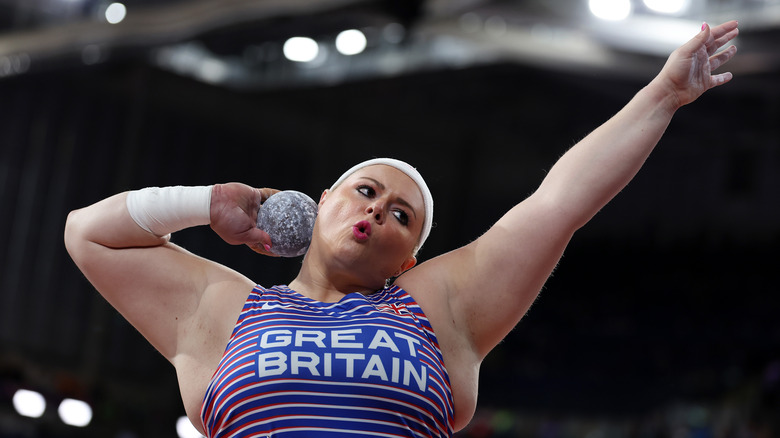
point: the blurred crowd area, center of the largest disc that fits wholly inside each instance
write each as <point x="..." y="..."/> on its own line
<point x="750" y="411"/>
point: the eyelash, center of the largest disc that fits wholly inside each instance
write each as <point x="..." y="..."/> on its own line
<point x="369" y="192"/>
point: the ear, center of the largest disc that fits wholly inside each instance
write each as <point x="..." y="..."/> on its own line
<point x="407" y="265"/>
<point x="323" y="196"/>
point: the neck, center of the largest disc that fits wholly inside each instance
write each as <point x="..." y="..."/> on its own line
<point x="321" y="284"/>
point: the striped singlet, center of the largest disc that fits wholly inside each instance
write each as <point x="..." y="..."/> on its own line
<point x="296" y="367"/>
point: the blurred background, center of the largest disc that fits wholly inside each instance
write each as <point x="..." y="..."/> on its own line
<point x="661" y="319"/>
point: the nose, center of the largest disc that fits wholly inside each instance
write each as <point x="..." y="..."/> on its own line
<point x="377" y="210"/>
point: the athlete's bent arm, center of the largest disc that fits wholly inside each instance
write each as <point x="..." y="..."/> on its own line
<point x="161" y="289"/>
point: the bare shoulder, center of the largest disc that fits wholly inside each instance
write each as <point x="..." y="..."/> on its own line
<point x="474" y="295"/>
<point x="483" y="288"/>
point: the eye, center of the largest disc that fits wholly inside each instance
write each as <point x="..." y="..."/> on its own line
<point x="366" y="191"/>
<point x="402" y="217"/>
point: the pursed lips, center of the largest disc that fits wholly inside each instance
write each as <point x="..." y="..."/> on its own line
<point x="361" y="230"/>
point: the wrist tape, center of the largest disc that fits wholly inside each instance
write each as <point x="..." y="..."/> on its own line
<point x="164" y="210"/>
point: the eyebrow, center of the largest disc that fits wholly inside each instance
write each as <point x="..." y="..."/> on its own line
<point x="401" y="201"/>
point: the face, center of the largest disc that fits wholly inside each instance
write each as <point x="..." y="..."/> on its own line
<point x="372" y="222"/>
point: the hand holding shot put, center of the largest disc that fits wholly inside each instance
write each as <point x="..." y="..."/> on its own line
<point x="336" y="350"/>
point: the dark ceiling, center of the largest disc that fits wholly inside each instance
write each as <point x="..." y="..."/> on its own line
<point x="668" y="295"/>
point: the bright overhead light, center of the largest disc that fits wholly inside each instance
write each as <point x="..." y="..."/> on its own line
<point x="301" y="49"/>
<point x="667" y="6"/>
<point x="351" y="42"/>
<point x="612" y="10"/>
<point x="75" y="412"/>
<point x="115" y="13"/>
<point x="185" y="429"/>
<point x="29" y="403"/>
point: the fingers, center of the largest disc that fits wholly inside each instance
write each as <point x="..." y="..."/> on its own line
<point x="719" y="42"/>
<point x="720" y="35"/>
<point x="718" y="60"/>
<point x="720" y="79"/>
<point x="261" y="250"/>
<point x="715" y="38"/>
<point x="724" y="29"/>
<point x="722" y="57"/>
<point x="260" y="242"/>
<point x="265" y="193"/>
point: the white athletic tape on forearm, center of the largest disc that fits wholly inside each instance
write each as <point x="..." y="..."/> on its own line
<point x="162" y="211"/>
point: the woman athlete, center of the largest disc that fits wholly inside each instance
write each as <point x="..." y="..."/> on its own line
<point x="335" y="352"/>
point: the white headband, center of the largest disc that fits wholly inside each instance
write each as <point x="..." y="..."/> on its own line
<point x="414" y="175"/>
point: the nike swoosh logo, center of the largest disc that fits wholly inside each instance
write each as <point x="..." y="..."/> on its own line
<point x="269" y="306"/>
